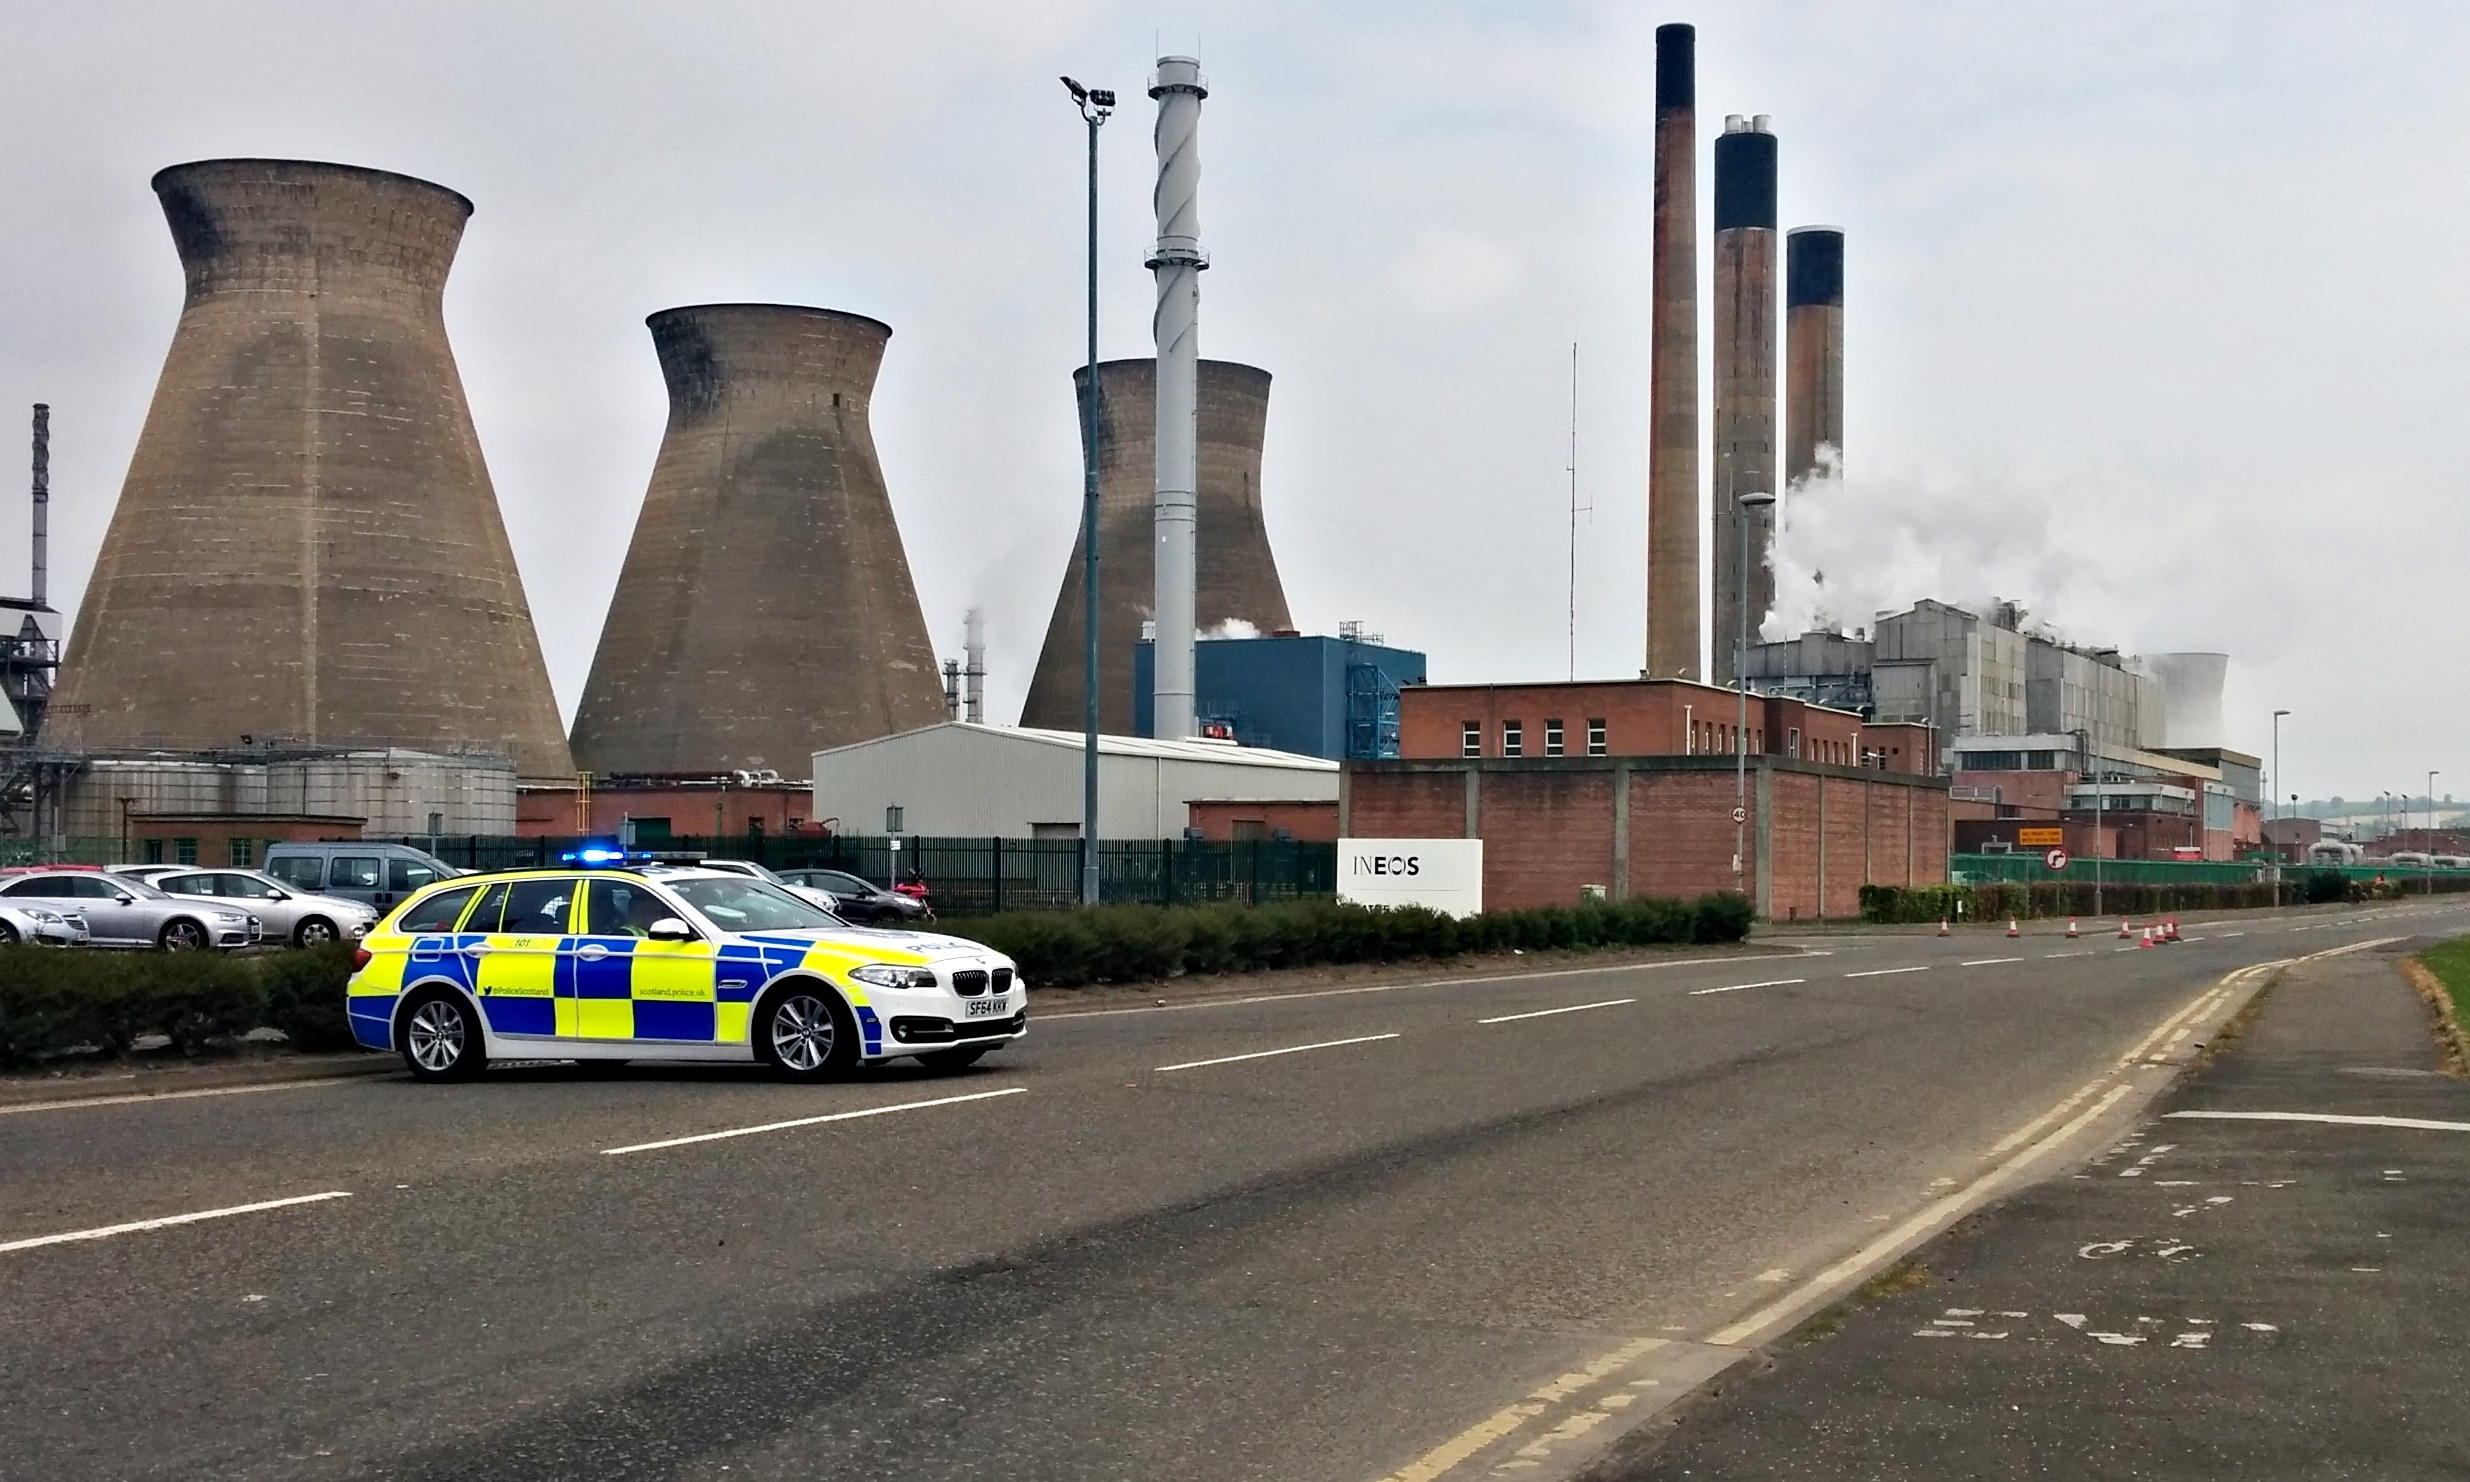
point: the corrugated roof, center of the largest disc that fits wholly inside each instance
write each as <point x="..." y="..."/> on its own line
<point x="1220" y="753"/>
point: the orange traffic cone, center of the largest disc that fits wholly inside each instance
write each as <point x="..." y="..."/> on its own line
<point x="2071" y="931"/>
<point x="2125" y="930"/>
<point x="2148" y="938"/>
<point x="2173" y="932"/>
<point x="2011" y="931"/>
<point x="1942" y="926"/>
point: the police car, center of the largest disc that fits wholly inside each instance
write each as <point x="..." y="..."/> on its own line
<point x="611" y="963"/>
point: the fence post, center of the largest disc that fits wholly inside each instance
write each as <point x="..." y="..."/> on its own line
<point x="1166" y="853"/>
<point x="997" y="842"/>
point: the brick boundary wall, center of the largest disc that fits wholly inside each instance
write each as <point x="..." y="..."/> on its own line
<point x="1662" y="826"/>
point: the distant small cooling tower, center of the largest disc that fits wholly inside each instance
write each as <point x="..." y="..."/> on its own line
<point x="2191" y="698"/>
<point x="765" y="611"/>
<point x="1238" y="575"/>
<point x="307" y="546"/>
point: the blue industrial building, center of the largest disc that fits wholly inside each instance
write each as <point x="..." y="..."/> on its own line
<point x="1325" y="697"/>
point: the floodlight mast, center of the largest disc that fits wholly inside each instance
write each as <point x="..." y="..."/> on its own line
<point x="1096" y="104"/>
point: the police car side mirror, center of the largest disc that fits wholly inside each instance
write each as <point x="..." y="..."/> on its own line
<point x="671" y="929"/>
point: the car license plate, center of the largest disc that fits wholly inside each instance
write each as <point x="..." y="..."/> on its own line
<point x="984" y="1008"/>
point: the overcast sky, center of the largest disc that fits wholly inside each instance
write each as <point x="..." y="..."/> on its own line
<point x="2155" y="317"/>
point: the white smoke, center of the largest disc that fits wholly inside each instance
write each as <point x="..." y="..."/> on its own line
<point x="1233" y="627"/>
<point x="1848" y="549"/>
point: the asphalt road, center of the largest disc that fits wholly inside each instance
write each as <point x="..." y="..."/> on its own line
<point x="1147" y="1247"/>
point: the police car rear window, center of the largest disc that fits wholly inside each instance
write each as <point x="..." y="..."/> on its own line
<point x="439" y="911"/>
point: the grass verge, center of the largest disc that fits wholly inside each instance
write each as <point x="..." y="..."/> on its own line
<point x="2441" y="974"/>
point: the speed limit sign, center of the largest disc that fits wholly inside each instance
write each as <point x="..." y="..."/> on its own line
<point x="1740" y="815"/>
<point x="2056" y="859"/>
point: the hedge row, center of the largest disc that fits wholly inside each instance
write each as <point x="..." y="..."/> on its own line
<point x="2054" y="898"/>
<point x="1138" y="944"/>
<point x="53" y="1002"/>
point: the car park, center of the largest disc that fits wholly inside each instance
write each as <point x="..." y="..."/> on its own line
<point x="36" y="925"/>
<point x="379" y="875"/>
<point x="857" y="899"/>
<point x="288" y="914"/>
<point x="669" y="964"/>
<point x="121" y="912"/>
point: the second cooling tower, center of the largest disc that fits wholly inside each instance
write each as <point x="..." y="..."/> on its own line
<point x="1238" y="577"/>
<point x="765" y="610"/>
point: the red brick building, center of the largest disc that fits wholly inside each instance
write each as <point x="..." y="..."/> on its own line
<point x="1643" y="717"/>
<point x="1221" y="821"/>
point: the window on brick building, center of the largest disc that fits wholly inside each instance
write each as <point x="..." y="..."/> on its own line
<point x="1471" y="739"/>
<point x="1513" y="738"/>
<point x="1792" y="741"/>
<point x="1595" y="738"/>
<point x="1552" y="738"/>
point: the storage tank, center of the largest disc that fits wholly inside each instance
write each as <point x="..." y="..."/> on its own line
<point x="307" y="546"/>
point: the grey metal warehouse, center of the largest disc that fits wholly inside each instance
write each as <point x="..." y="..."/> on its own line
<point x="959" y="779"/>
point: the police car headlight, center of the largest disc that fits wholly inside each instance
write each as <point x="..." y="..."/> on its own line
<point x="883" y="975"/>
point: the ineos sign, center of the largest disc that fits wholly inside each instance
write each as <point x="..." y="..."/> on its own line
<point x="1388" y="864"/>
<point x="1442" y="874"/>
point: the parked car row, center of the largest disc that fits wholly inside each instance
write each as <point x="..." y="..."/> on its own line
<point x="308" y="894"/>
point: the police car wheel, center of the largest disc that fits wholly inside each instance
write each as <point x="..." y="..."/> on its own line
<point x="806" y="1034"/>
<point x="953" y="1059"/>
<point x="441" y="1038"/>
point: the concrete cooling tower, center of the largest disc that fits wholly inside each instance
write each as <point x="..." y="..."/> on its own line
<point x="2191" y="698"/>
<point x="765" y="610"/>
<point x="1238" y="575"/>
<point x="307" y="546"/>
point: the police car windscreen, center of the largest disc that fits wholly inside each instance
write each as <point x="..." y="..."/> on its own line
<point x="740" y="904"/>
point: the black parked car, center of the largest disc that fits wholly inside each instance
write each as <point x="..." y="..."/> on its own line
<point x="858" y="900"/>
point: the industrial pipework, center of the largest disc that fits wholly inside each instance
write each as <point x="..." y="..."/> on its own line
<point x="1813" y="350"/>
<point x="1176" y="326"/>
<point x="1744" y="378"/>
<point x="1672" y="397"/>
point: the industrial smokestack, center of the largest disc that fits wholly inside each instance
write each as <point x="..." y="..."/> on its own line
<point x="307" y="545"/>
<point x="1813" y="350"/>
<point x="1744" y="377"/>
<point x="1178" y="262"/>
<point x="1672" y="422"/>
<point x="42" y="505"/>
<point x="1238" y="574"/>
<point x="974" y="646"/>
<point x="765" y="611"/>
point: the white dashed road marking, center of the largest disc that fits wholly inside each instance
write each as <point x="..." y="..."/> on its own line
<point x="847" y="1116"/>
<point x="2420" y="1124"/>
<point x="1884" y="972"/>
<point x="134" y="1226"/>
<point x="1988" y="961"/>
<point x="1327" y="1044"/>
<point x="1609" y="1003"/>
<point x="1737" y="987"/>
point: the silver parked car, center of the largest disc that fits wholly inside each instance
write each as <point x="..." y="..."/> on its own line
<point x="288" y="913"/>
<point x="121" y="912"/>
<point x="41" y="926"/>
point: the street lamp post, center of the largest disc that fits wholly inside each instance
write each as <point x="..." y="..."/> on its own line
<point x="1095" y="105"/>
<point x="1753" y="499"/>
<point x="2277" y="715"/>
<point x="2430" y="850"/>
